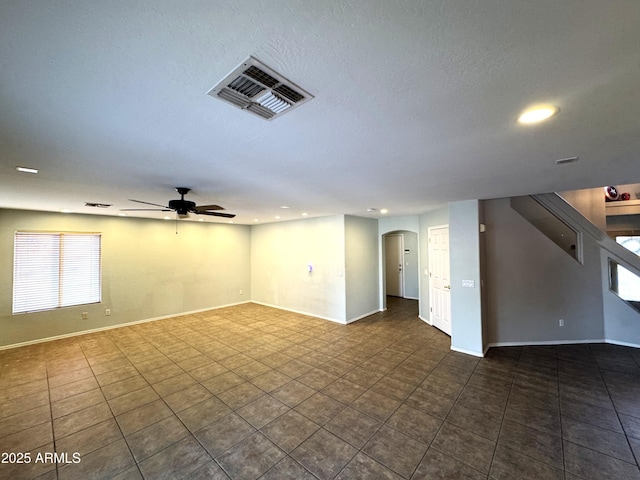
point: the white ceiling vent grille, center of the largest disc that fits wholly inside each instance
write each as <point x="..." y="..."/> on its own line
<point x="254" y="87"/>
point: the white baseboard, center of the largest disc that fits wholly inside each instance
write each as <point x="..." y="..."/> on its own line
<point x="622" y="344"/>
<point x="373" y="312"/>
<point x="300" y="312"/>
<point x="562" y="342"/>
<point x="111" y="327"/>
<point x="411" y="298"/>
<point x="545" y="342"/>
<point x="467" y="352"/>
<point x="425" y="320"/>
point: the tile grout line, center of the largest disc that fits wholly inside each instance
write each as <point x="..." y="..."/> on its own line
<point x="383" y="423"/>
<point x="606" y="385"/>
<point x="564" y="460"/>
<point x="135" y="462"/>
<point x="443" y="420"/>
<point x="53" y="435"/>
<point x="504" y="413"/>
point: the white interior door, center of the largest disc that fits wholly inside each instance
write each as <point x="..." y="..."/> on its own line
<point x="393" y="257"/>
<point x="439" y="279"/>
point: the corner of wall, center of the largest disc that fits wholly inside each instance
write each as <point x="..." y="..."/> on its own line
<point x="466" y="303"/>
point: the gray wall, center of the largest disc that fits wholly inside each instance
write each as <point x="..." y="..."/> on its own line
<point x="409" y="223"/>
<point x="465" y="255"/>
<point x="361" y="259"/>
<point x="590" y="203"/>
<point x="624" y="223"/>
<point x="280" y="253"/>
<point x="411" y="265"/>
<point x="531" y="284"/>
<point x="148" y="271"/>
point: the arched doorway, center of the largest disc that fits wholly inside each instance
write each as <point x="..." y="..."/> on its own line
<point x="400" y="265"/>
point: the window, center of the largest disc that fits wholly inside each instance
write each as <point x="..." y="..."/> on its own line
<point x="53" y="270"/>
<point x="624" y="282"/>
<point x="631" y="243"/>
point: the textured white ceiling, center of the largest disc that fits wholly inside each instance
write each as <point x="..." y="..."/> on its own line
<point x="415" y="102"/>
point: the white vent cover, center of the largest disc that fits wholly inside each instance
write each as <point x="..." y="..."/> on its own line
<point x="256" y="88"/>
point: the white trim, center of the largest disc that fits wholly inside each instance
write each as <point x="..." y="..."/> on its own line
<point x="425" y="320"/>
<point x="111" y="327"/>
<point x="623" y="344"/>
<point x="562" y="342"/>
<point x="373" y="312"/>
<point x="300" y="312"/>
<point x="468" y="352"/>
<point x="546" y="342"/>
<point x="411" y="298"/>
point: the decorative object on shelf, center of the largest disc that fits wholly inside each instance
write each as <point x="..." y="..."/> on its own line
<point x="611" y="194"/>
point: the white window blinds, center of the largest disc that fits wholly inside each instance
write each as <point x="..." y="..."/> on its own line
<point x="52" y="270"/>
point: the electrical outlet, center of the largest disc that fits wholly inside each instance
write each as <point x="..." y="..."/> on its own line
<point x="240" y="292"/>
<point x="85" y="315"/>
<point x="107" y="312"/>
<point x="561" y="322"/>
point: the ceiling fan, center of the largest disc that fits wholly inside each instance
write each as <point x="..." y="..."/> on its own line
<point x="182" y="207"/>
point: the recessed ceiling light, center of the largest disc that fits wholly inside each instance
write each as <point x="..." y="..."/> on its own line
<point x="284" y="206"/>
<point x="230" y="221"/>
<point x="167" y="218"/>
<point x="537" y="114"/>
<point x="384" y="210"/>
<point x="277" y="217"/>
<point x="65" y="210"/>
<point x="27" y="170"/>
<point x="304" y="214"/>
<point x="201" y="220"/>
<point x="256" y="219"/>
<point x="122" y="214"/>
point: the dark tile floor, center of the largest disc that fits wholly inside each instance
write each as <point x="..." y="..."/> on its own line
<point x="251" y="392"/>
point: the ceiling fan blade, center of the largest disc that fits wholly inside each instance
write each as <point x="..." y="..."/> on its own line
<point x="148" y="203"/>
<point x="146" y="210"/>
<point x="216" y="214"/>
<point x="206" y="208"/>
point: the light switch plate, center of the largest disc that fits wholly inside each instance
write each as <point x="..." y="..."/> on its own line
<point x="468" y="283"/>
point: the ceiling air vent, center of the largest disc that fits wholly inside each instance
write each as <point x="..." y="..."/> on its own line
<point x="97" y="205"/>
<point x="256" y="88"/>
